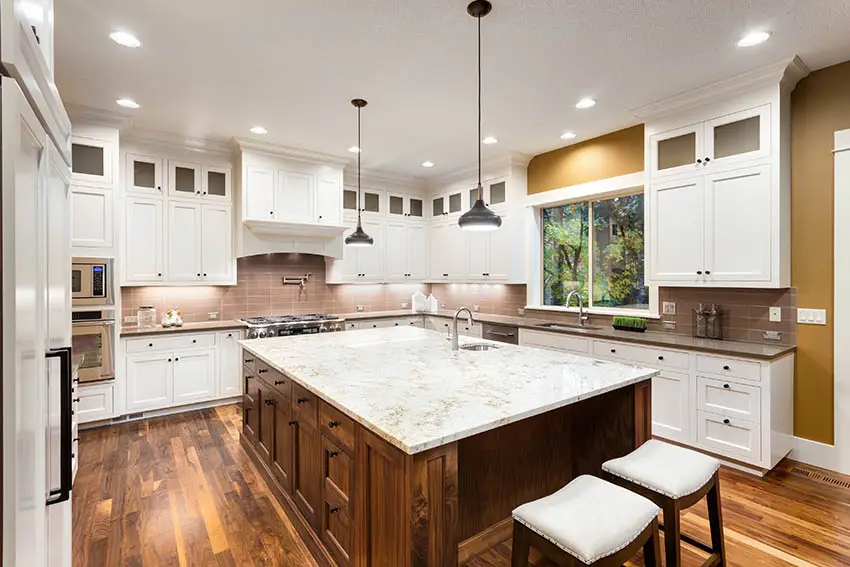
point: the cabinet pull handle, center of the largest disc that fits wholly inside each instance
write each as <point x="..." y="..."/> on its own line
<point x="333" y="454"/>
<point x="249" y="360"/>
<point x="708" y="159"/>
<point x="76" y="439"/>
<point x="332" y="424"/>
<point x="726" y="421"/>
<point x="300" y="401"/>
<point x="613" y="350"/>
<point x="726" y="367"/>
<point x="248" y="377"/>
<point x="76" y="400"/>
<point x="150" y="344"/>
<point x="293" y="422"/>
<point x="333" y="510"/>
<point x="268" y="402"/>
<point x="279" y="382"/>
<point x="699" y="272"/>
<point x="660" y="358"/>
<point x="707" y="272"/>
<point x="726" y="386"/>
<point x="262" y="370"/>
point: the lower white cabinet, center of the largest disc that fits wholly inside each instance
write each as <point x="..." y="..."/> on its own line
<point x="95" y="402"/>
<point x="150" y="379"/>
<point x="229" y="363"/>
<point x="671" y="395"/>
<point x="194" y="376"/>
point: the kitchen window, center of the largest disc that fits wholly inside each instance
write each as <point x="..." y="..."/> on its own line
<point x="596" y="246"/>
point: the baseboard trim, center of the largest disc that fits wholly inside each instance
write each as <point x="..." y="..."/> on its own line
<point x="484" y="540"/>
<point x="817" y="454"/>
<point x="136" y="416"/>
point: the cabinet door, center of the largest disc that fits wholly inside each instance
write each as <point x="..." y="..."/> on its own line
<point x="215" y="183"/>
<point x="294" y="197"/>
<point x="229" y="364"/>
<point x="329" y="201"/>
<point x="91" y="161"/>
<point x="144" y="174"/>
<point x="347" y="268"/>
<point x="251" y="407"/>
<point x="417" y="252"/>
<point x="738" y="230"/>
<point x="259" y="193"/>
<point x="672" y="408"/>
<point x="677" y="216"/>
<point x="477" y="254"/>
<point x="216" y="244"/>
<point x="504" y="243"/>
<point x="676" y="152"/>
<point x="439" y="207"/>
<point x="455" y="203"/>
<point x="415" y="208"/>
<point x="281" y="450"/>
<point x="371" y="203"/>
<point x="194" y="376"/>
<point x="456" y="261"/>
<point x="338" y="484"/>
<point x="265" y="431"/>
<point x="184" y="242"/>
<point x="497" y="192"/>
<point x="738" y="137"/>
<point x="396" y="205"/>
<point x="184" y="179"/>
<point x="371" y="259"/>
<point x="144" y="240"/>
<point x="91" y="213"/>
<point x="149" y="381"/>
<point x="396" y="247"/>
<point x="307" y="471"/>
<point x="439" y="253"/>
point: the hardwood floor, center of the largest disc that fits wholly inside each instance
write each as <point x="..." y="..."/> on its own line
<point x="180" y="491"/>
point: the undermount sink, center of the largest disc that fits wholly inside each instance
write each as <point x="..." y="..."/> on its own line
<point x="478" y="347"/>
<point x="567" y="326"/>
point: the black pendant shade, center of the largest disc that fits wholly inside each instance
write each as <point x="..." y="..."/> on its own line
<point x="359" y="238"/>
<point x="479" y="217"/>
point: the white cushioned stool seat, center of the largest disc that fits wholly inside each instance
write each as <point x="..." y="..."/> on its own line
<point x="664" y="468"/>
<point x="589" y="518"/>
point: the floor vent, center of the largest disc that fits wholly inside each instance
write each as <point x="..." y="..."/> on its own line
<point x="840" y="482"/>
<point x="139" y="415"/>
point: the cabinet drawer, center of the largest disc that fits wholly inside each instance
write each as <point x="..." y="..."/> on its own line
<point x="304" y="405"/>
<point x="278" y="382"/>
<point x="735" y="438"/>
<point x="554" y="341"/>
<point x="732" y="367"/>
<point x="96" y="403"/>
<point x="174" y="342"/>
<point x="649" y="356"/>
<point x="337" y="426"/>
<point x="729" y="399"/>
<point x="264" y="371"/>
<point x="337" y="470"/>
<point x="249" y="360"/>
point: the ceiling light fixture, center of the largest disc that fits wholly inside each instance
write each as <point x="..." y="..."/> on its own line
<point x="259" y="130"/>
<point x="585" y="103"/>
<point x="479" y="217"/>
<point x="568" y="136"/>
<point x="354" y="149"/>
<point x="427" y="164"/>
<point x="753" y="38"/>
<point x="125" y="38"/>
<point x="489" y="140"/>
<point x="359" y="238"/>
<point x="127" y="103"/>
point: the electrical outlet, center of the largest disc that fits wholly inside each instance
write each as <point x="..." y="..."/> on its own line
<point x="476" y="308"/>
<point x="405" y="305"/>
<point x="361" y="308"/>
<point x="520" y="312"/>
<point x="212" y="316"/>
<point x="668" y="308"/>
<point x="811" y="316"/>
<point x="442" y="306"/>
<point x="669" y="325"/>
<point x="772" y="336"/>
<point x="775" y="314"/>
<point x="131" y="320"/>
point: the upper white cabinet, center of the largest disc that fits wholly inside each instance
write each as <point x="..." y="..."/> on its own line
<point x="328" y="201"/>
<point x="184" y="251"/>
<point x="184" y="179"/>
<point x="91" y="217"/>
<point x="363" y="264"/>
<point x="92" y="161"/>
<point x="259" y="193"/>
<point x="144" y="229"/>
<point x="215" y="183"/>
<point x="406" y="251"/>
<point x="405" y="206"/>
<point x="292" y="196"/>
<point x="295" y="197"/>
<point x="144" y="174"/>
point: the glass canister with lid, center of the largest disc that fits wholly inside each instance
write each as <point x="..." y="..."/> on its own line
<point x="147" y="317"/>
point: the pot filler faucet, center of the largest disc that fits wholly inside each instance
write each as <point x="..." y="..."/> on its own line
<point x="582" y="318"/>
<point x="469" y="320"/>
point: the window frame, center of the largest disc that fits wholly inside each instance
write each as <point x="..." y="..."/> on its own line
<point x="625" y="185"/>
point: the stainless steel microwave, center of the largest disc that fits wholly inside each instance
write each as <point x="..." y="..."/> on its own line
<point x="91" y="281"/>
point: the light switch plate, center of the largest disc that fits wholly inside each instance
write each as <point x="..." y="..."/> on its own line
<point x="131" y="320"/>
<point x="775" y="314"/>
<point x="811" y="316"/>
<point x="669" y="307"/>
<point x="361" y="308"/>
<point x="669" y="325"/>
<point x="772" y="336"/>
<point x="404" y="305"/>
<point x="476" y="308"/>
<point x="212" y="316"/>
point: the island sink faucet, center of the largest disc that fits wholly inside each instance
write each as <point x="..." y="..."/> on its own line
<point x="582" y="318"/>
<point x="469" y="320"/>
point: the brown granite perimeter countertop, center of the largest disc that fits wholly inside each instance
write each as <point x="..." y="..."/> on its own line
<point x="186" y="328"/>
<point x="731" y="348"/>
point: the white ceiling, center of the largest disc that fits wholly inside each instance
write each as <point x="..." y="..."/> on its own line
<point x="214" y="68"/>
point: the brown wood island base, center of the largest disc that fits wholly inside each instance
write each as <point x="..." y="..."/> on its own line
<point x="358" y="501"/>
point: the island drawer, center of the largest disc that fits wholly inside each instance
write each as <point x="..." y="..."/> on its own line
<point x="729" y="399"/>
<point x="305" y="405"/>
<point x="279" y="382"/>
<point x="649" y="356"/>
<point x="732" y="367"/>
<point x="337" y="426"/>
<point x="729" y="436"/>
<point x="338" y="469"/>
<point x="249" y="360"/>
<point x="172" y="342"/>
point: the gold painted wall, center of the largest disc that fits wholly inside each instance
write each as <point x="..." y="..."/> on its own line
<point x="820" y="105"/>
<point x="617" y="153"/>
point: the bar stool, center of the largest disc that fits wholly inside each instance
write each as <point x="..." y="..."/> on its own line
<point x="589" y="522"/>
<point x="675" y="479"/>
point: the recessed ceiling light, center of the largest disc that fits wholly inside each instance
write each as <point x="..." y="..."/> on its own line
<point x="125" y="38"/>
<point x="127" y="103"/>
<point x="259" y="130"/>
<point x="754" y="38"/>
<point x="354" y="150"/>
<point x="568" y="135"/>
<point x="489" y="140"/>
<point x="427" y="164"/>
<point x="585" y="103"/>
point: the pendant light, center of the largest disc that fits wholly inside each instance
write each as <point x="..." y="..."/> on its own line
<point x="359" y="238"/>
<point x="479" y="217"/>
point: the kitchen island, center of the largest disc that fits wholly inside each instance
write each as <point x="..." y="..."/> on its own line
<point x="388" y="449"/>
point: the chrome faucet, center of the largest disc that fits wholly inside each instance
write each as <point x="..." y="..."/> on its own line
<point x="582" y="318"/>
<point x="469" y="320"/>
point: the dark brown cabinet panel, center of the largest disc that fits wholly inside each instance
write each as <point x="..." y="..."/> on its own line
<point x="282" y="447"/>
<point x="307" y="471"/>
<point x="305" y="405"/>
<point x="265" y="435"/>
<point x="337" y="426"/>
<point x="251" y="408"/>
<point x="337" y="482"/>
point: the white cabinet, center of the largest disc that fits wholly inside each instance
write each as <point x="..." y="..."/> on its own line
<point x="229" y="363"/>
<point x="144" y="174"/>
<point x="671" y="407"/>
<point x="184" y="179"/>
<point x="215" y="183"/>
<point x="184" y="242"/>
<point x="362" y="264"/>
<point x="92" y="161"/>
<point x="448" y="252"/>
<point x="676" y="233"/>
<point x="259" y="193"/>
<point x="96" y="402"/>
<point x="194" y="377"/>
<point x="405" y="206"/>
<point x="144" y="234"/>
<point x="329" y="201"/>
<point x="292" y="196"/>
<point x="92" y="215"/>
<point x="149" y="380"/>
<point x="217" y="256"/>
<point x="295" y="197"/>
<point x="406" y="251"/>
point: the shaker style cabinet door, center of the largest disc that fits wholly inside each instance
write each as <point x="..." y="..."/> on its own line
<point x="677" y="217"/>
<point x="194" y="376"/>
<point x="672" y="406"/>
<point x="91" y="217"/>
<point x="216" y="244"/>
<point x="144" y="175"/>
<point x="92" y="161"/>
<point x="215" y="183"/>
<point x="677" y="152"/>
<point x="230" y="378"/>
<point x="149" y="381"/>
<point x="259" y="193"/>
<point x="184" y="179"/>
<point x="295" y="197"/>
<point x="144" y="240"/>
<point x="184" y="242"/>
<point x="329" y="201"/>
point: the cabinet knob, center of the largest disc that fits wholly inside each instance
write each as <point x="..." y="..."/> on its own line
<point x="726" y="421"/>
<point x="262" y="370"/>
<point x="699" y="162"/>
<point x="169" y="360"/>
<point x="76" y="400"/>
<point x="159" y="275"/>
<point x="199" y="275"/>
<point x="158" y="188"/>
<point x="293" y="422"/>
<point x="205" y="275"/>
<point x="271" y="212"/>
<point x="194" y="340"/>
<point x="613" y="350"/>
<point x="708" y="272"/>
<point x="279" y="382"/>
<point x="300" y="401"/>
<point x="660" y="358"/>
<point x="197" y="192"/>
<point x="332" y="424"/>
<point x="333" y="510"/>
<point x="726" y="386"/>
<point x="708" y="159"/>
<point x="150" y="344"/>
<point x="176" y="359"/>
<point x="726" y="367"/>
<point x="333" y="454"/>
<point x="320" y="217"/>
<point x="699" y="272"/>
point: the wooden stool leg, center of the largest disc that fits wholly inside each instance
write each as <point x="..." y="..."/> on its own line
<point x="715" y="520"/>
<point x="672" y="534"/>
<point x="519" y="546"/>
<point x="652" y="548"/>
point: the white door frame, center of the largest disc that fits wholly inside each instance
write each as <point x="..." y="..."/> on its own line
<point x="841" y="297"/>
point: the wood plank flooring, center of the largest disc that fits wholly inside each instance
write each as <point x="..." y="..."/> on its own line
<point x="180" y="491"/>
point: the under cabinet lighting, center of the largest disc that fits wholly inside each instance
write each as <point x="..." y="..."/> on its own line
<point x="125" y="38"/>
<point x="753" y="38"/>
<point x="127" y="103"/>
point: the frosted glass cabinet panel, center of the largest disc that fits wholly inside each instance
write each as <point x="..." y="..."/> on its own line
<point x="91" y="161"/>
<point x="184" y="179"/>
<point x="739" y="137"/>
<point x="144" y="174"/>
<point x="677" y="151"/>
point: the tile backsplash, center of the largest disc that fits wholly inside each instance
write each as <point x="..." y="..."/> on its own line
<point x="259" y="291"/>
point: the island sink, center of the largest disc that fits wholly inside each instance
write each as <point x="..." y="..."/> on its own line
<point x="568" y="326"/>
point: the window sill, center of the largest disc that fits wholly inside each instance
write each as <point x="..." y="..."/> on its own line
<point x="645" y="314"/>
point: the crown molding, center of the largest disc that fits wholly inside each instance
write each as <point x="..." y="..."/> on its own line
<point x="288" y="152"/>
<point x="786" y="73"/>
<point x="80" y="114"/>
<point x="176" y="141"/>
<point x="388" y="181"/>
<point x="505" y="161"/>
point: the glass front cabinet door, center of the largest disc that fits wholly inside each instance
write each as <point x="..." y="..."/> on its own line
<point x="677" y="151"/>
<point x="184" y="179"/>
<point x="739" y="137"/>
<point x="144" y="174"/>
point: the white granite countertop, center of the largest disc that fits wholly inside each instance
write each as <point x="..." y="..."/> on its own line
<point x="408" y="387"/>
